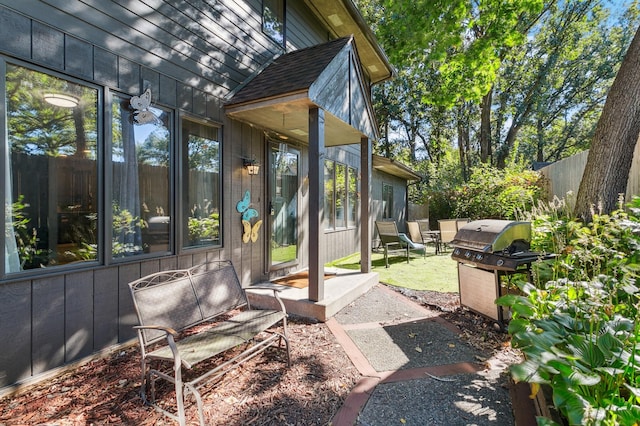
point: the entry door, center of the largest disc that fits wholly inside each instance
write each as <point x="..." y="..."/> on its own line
<point x="283" y="204"/>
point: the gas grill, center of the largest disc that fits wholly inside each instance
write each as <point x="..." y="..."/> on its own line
<point x="485" y="250"/>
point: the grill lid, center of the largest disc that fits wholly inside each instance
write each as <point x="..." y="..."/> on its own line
<point x="492" y="235"/>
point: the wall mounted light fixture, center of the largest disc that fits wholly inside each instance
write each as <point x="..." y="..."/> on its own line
<point x="252" y="166"/>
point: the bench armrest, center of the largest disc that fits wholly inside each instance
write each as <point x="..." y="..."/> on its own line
<point x="168" y="330"/>
<point x="261" y="287"/>
<point x="170" y="336"/>
<point x="275" y="294"/>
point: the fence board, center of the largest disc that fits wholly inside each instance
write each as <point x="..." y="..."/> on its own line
<point x="564" y="176"/>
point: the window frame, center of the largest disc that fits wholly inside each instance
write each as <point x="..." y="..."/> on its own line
<point x="387" y="208"/>
<point x="271" y="33"/>
<point x="179" y="205"/>
<point x="331" y="224"/>
<point x="171" y="182"/>
<point x="100" y="140"/>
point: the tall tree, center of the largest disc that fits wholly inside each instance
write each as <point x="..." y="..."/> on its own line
<point x="552" y="89"/>
<point x="607" y="170"/>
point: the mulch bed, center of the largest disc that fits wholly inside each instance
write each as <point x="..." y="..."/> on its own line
<point x="261" y="392"/>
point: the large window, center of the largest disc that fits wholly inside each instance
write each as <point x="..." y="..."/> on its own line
<point x="340" y="195"/>
<point x="273" y="20"/>
<point x="140" y="202"/>
<point x="50" y="171"/>
<point x="201" y="184"/>
<point x="73" y="197"/>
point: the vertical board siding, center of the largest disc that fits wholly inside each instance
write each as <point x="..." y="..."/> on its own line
<point x="15" y="33"/>
<point x="48" y="46"/>
<point x="15" y="332"/>
<point x="78" y="308"/>
<point x="48" y="325"/>
<point x="78" y="57"/>
<point x="126" y="312"/>
<point x="105" y="308"/>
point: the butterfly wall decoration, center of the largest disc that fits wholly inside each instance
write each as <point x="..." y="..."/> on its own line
<point x="249" y="232"/>
<point x="141" y="104"/>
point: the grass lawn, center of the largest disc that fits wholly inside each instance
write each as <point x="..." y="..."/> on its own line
<point x="436" y="273"/>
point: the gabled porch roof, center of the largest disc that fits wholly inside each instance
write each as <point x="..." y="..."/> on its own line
<point x="328" y="76"/>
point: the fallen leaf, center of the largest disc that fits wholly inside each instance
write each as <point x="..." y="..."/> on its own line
<point x="403" y="421"/>
<point x="418" y="349"/>
<point x="451" y="345"/>
<point x="412" y="335"/>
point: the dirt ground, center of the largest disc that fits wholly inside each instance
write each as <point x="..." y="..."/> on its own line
<point x="261" y="392"/>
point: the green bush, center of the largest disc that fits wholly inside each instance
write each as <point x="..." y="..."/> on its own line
<point x="493" y="193"/>
<point x="578" y="326"/>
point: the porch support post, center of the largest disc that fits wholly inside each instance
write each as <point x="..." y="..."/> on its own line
<point x="365" y="205"/>
<point x="316" y="204"/>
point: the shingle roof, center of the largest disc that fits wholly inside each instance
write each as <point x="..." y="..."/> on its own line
<point x="290" y="73"/>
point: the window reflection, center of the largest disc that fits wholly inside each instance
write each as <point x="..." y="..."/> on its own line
<point x="140" y="201"/>
<point x="273" y="18"/>
<point x="329" y="195"/>
<point x="352" y="196"/>
<point x="50" y="171"/>
<point x="283" y="205"/>
<point x="201" y="184"/>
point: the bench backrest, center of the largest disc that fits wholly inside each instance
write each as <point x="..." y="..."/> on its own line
<point x="183" y="298"/>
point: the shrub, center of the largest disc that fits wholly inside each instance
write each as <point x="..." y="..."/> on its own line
<point x="578" y="325"/>
<point x="498" y="193"/>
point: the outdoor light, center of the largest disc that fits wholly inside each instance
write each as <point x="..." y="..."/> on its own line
<point x="252" y="166"/>
<point x="58" y="99"/>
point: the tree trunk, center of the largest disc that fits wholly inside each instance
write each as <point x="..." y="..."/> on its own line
<point x="463" y="140"/>
<point x="607" y="170"/>
<point x="540" y="140"/>
<point x="485" y="127"/>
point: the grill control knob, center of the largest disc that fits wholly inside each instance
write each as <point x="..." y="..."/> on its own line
<point x="479" y="256"/>
<point x="467" y="254"/>
<point x="456" y="252"/>
<point x="500" y="262"/>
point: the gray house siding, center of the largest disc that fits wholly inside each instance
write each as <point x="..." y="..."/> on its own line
<point x="399" y="185"/>
<point x="191" y="54"/>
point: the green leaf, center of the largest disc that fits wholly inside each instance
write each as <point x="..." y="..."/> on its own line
<point x="572" y="405"/>
<point x="527" y="371"/>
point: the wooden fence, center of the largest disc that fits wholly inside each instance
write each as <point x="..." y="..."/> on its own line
<point x="564" y="176"/>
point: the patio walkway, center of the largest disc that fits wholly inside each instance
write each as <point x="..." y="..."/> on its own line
<point x="417" y="371"/>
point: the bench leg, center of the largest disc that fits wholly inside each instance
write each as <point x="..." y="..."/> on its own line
<point x="198" y="398"/>
<point x="177" y="371"/>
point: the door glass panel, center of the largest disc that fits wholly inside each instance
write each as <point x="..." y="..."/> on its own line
<point x="283" y="190"/>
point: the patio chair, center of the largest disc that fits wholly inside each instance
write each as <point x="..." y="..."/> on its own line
<point x="419" y="231"/>
<point x="449" y="228"/>
<point x="395" y="242"/>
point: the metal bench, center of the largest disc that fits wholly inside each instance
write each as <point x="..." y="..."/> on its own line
<point x="171" y="302"/>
